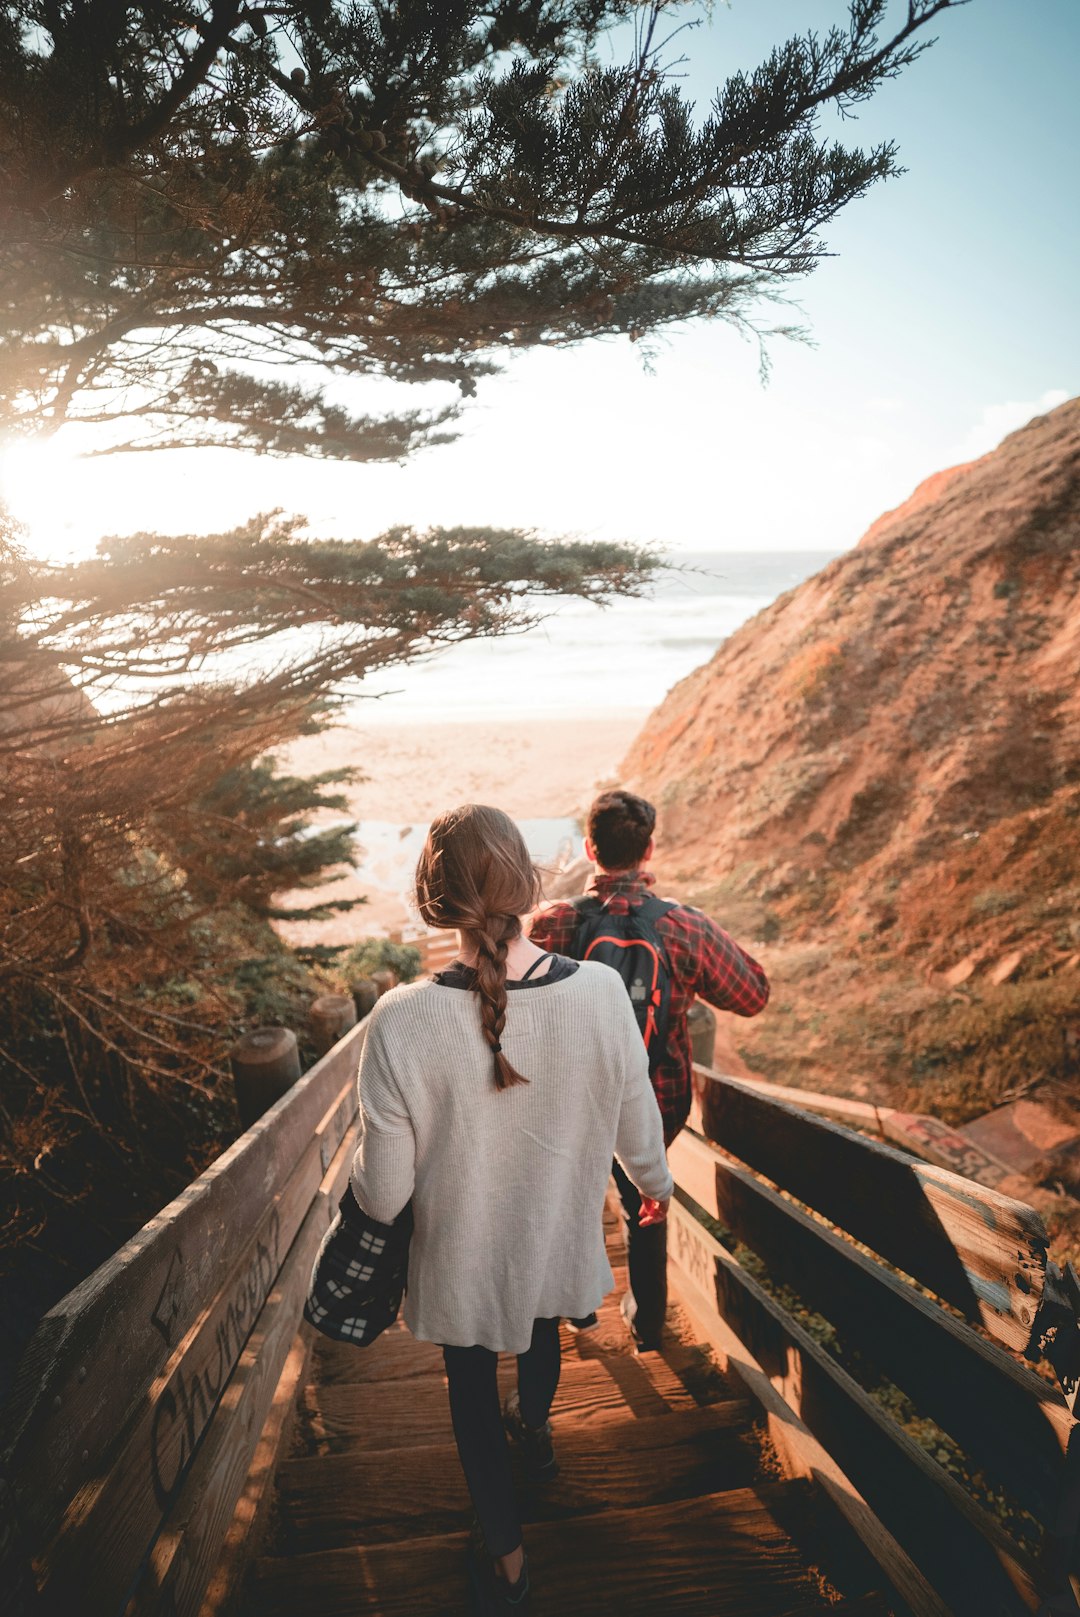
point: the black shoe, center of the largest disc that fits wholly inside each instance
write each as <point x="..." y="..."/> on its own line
<point x="588" y="1323"/>
<point x="532" y="1442"/>
<point x="642" y="1344"/>
<point x="489" y="1594"/>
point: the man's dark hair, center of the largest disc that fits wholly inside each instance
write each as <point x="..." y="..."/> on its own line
<point x="619" y="827"/>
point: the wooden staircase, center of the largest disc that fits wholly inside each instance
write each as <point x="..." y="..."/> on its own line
<point x="665" y="1502"/>
<point x="179" y="1444"/>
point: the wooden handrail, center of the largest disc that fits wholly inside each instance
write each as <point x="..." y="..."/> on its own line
<point x="855" y="1114"/>
<point x="133" y="1381"/>
<point x="979" y="1250"/>
<point x="927" y="1137"/>
<point x="983" y="1253"/>
<point x="949" y="1370"/>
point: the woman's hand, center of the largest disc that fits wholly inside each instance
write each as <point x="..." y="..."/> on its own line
<point x="652" y="1212"/>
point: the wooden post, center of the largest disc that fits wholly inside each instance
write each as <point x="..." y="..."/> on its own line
<point x="364" y="992"/>
<point x="265" y="1063"/>
<point x="702" y="1024"/>
<point x="384" y="980"/>
<point x="331" y="1016"/>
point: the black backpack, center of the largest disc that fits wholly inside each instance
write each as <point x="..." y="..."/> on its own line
<point x="631" y="944"/>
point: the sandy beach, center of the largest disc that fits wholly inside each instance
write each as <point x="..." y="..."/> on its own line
<point x="547" y="767"/>
<point x="543" y="770"/>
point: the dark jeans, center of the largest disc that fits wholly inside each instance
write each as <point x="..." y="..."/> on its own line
<point x="646" y="1258"/>
<point x="478" y="1427"/>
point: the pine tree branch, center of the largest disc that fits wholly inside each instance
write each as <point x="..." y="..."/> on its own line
<point x="123" y="142"/>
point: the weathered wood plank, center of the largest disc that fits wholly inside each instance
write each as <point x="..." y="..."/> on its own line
<point x="395" y="1414"/>
<point x="333" y="1500"/>
<point x="70" y="1413"/>
<point x="1005" y="1415"/>
<point x="648" y="1385"/>
<point x="182" y="1560"/>
<point x="251" y="1514"/>
<point x="114" y="1519"/>
<point x="949" y="1147"/>
<point x="397" y="1355"/>
<point x="696" y="1558"/>
<point x="927" y="1137"/>
<point x="963" y="1553"/>
<point x="801" y="1455"/>
<point x="981" y="1251"/>
<point x="394" y="1356"/>
<point x="855" y="1114"/>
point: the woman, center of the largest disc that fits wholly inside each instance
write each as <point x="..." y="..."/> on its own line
<point x="495" y="1095"/>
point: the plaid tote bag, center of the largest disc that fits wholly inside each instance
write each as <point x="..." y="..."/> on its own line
<point x="358" y="1279"/>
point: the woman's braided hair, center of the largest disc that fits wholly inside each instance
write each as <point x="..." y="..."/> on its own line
<point x="475" y="873"/>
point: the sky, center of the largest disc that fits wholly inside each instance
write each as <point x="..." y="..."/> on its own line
<point x="945" y="319"/>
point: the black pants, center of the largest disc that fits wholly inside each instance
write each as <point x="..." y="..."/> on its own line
<point x="646" y="1258"/>
<point x="481" y="1439"/>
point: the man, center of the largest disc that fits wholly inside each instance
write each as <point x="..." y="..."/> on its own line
<point x="669" y="954"/>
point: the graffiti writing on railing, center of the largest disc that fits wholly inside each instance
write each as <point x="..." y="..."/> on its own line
<point x="693" y="1256"/>
<point x="184" y="1407"/>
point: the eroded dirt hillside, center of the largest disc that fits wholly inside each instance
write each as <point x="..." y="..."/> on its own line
<point x="879" y="778"/>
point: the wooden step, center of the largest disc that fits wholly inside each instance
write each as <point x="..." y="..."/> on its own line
<point x="394" y="1356"/>
<point x="398" y="1356"/>
<point x="394" y="1414"/>
<point x="722" y="1553"/>
<point x="327" y="1501"/>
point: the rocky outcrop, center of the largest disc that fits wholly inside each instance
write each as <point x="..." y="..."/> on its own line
<point x="884" y="767"/>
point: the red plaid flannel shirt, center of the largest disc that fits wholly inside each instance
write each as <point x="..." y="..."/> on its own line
<point x="705" y="964"/>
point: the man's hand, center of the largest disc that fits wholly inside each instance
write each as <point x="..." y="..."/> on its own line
<point x="653" y="1212"/>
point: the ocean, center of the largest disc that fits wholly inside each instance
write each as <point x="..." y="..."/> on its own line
<point x="596" y="660"/>
<point x="582" y="661"/>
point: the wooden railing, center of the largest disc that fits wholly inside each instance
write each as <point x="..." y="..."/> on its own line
<point x="437" y="949"/>
<point x="954" y="1288"/>
<point x="129" y="1447"/>
<point x="153" y="1401"/>
<point x="925" y="1136"/>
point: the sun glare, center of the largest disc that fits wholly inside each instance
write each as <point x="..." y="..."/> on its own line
<point x="39" y="486"/>
<point x="66" y="499"/>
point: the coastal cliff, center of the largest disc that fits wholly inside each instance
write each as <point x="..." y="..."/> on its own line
<point x="879" y="777"/>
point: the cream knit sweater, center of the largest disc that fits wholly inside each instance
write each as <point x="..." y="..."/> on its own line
<point x="507" y="1185"/>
